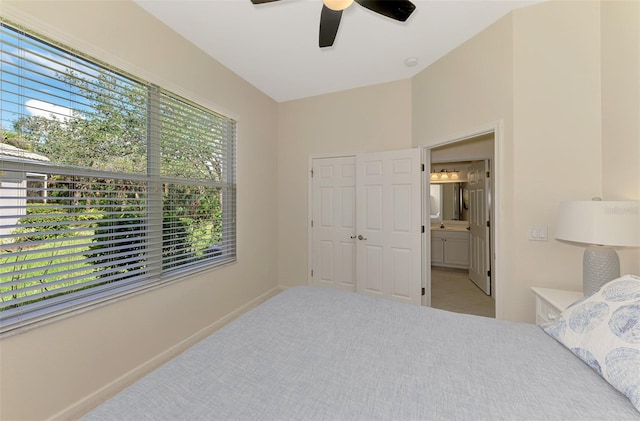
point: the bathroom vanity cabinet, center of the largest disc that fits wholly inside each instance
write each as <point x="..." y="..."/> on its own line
<point x="450" y="248"/>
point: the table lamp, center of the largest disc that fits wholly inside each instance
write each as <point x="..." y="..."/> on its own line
<point x="603" y="225"/>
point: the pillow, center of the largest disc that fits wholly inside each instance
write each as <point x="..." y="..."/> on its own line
<point x="603" y="330"/>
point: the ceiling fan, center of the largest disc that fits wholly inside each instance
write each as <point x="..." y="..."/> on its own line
<point x="332" y="13"/>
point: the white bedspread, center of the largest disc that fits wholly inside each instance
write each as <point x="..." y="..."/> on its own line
<point x="323" y="354"/>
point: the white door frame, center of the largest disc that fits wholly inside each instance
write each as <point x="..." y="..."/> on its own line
<point x="426" y="223"/>
<point x="497" y="265"/>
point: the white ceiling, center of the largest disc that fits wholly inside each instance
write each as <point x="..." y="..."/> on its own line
<point x="274" y="46"/>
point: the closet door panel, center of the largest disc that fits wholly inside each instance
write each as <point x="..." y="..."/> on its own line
<point x="388" y="214"/>
<point x="333" y="220"/>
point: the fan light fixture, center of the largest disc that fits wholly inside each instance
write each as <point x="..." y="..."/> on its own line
<point x="337" y="5"/>
<point x="331" y="14"/>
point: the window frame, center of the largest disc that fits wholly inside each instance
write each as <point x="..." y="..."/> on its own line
<point x="51" y="307"/>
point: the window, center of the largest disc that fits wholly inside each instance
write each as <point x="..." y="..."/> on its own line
<point x="107" y="184"/>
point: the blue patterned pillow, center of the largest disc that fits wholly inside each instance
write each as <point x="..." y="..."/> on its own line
<point x="603" y="330"/>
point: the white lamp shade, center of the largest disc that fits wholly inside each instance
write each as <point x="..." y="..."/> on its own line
<point x="607" y="223"/>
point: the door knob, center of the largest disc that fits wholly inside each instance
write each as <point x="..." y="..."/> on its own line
<point x="360" y="237"/>
<point x="353" y="237"/>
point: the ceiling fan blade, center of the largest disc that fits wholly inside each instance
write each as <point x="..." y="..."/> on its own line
<point x="261" y="1"/>
<point x="329" y="23"/>
<point x="394" y="9"/>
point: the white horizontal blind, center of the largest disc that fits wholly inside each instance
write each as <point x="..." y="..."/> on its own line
<point x="107" y="184"/>
<point x="197" y="163"/>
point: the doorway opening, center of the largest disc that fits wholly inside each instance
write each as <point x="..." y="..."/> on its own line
<point x="460" y="188"/>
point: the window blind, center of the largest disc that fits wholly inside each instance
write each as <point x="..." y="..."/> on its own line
<point x="196" y="145"/>
<point x="107" y="184"/>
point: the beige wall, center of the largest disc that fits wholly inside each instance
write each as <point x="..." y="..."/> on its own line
<point x="557" y="142"/>
<point x="546" y="71"/>
<point x="621" y="109"/>
<point x="479" y="147"/>
<point x="541" y="72"/>
<point x="467" y="89"/>
<point x="47" y="369"/>
<point x="368" y="119"/>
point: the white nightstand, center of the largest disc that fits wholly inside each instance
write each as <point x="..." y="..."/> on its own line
<point x="551" y="302"/>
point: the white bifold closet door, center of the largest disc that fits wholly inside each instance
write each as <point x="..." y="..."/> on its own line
<point x="366" y="224"/>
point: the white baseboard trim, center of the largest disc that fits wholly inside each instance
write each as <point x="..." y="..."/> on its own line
<point x="89" y="402"/>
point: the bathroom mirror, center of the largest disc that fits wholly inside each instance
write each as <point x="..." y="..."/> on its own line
<point x="448" y="202"/>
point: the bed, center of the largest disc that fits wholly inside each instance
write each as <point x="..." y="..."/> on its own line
<point x="322" y="354"/>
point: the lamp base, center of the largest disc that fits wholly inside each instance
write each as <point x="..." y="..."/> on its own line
<point x="600" y="264"/>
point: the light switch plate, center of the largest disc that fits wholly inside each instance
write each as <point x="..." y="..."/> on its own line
<point x="537" y="233"/>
